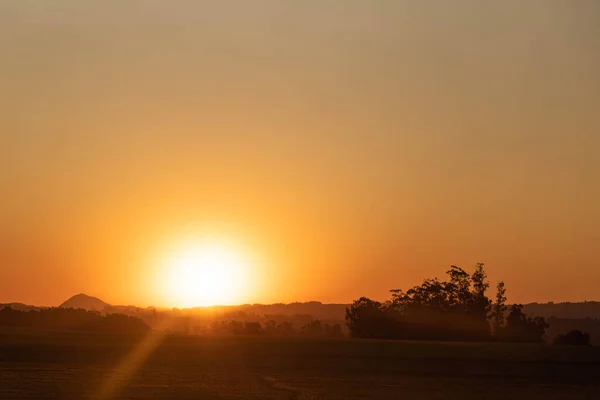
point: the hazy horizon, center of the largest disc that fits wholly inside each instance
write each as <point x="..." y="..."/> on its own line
<point x="144" y="306"/>
<point x="338" y="149"/>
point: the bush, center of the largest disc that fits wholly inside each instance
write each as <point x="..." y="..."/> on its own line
<point x="574" y="337"/>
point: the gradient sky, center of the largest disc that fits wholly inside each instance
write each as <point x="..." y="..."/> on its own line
<point x="350" y="146"/>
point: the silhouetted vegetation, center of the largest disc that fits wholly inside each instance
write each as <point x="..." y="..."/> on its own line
<point x="574" y="337"/>
<point x="499" y="308"/>
<point x="317" y="329"/>
<point x="561" y="326"/>
<point x="367" y="318"/>
<point x="455" y="309"/>
<point x="314" y="328"/>
<point x="72" y="320"/>
<point x="521" y="328"/>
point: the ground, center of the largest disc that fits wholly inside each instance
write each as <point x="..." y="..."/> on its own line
<point x="83" y="366"/>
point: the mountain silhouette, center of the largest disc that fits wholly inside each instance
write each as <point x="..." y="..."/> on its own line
<point x="85" y="302"/>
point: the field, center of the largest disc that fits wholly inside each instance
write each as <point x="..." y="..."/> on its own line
<point x="78" y="366"/>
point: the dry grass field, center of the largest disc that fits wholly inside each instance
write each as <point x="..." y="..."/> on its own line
<point x="72" y="366"/>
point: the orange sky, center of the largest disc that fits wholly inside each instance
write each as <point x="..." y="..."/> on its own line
<point x="351" y="146"/>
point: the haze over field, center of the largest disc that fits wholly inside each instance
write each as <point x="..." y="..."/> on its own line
<point x="334" y="149"/>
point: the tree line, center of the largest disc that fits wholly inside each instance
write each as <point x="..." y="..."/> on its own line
<point x="69" y="319"/>
<point x="457" y="308"/>
<point x="315" y="328"/>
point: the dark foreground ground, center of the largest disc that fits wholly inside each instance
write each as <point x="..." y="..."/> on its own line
<point x="75" y="366"/>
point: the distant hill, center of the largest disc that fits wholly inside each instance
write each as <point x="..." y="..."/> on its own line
<point x="85" y="302"/>
<point x="587" y="309"/>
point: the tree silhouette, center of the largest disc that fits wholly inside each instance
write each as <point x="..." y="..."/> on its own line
<point x="367" y="318"/>
<point x="314" y="329"/>
<point x="286" y="329"/>
<point x="333" y="330"/>
<point x="270" y="327"/>
<point x="253" y="328"/>
<point x="479" y="303"/>
<point x="521" y="328"/>
<point x="574" y="337"/>
<point x="499" y="308"/>
<point x="455" y="309"/>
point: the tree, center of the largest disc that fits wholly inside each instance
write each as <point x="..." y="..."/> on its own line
<point x="479" y="303"/>
<point x="252" y="328"/>
<point x="333" y="330"/>
<point x="521" y="328"/>
<point x="237" y="327"/>
<point x="459" y="286"/>
<point x="367" y="318"/>
<point x="574" y="337"/>
<point x="499" y="308"/>
<point x="270" y="327"/>
<point x="313" y="329"/>
<point x="455" y="309"/>
<point x="286" y="329"/>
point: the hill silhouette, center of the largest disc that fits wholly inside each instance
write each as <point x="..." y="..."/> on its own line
<point x="85" y="302"/>
<point x="586" y="309"/>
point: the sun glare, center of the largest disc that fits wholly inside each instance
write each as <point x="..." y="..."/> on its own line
<point x="204" y="275"/>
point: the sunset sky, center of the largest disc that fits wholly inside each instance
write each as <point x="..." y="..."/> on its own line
<point x="342" y="148"/>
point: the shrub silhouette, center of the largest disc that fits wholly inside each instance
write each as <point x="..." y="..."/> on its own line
<point x="574" y="337"/>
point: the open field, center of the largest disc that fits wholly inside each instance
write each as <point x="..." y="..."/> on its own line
<point x="80" y="366"/>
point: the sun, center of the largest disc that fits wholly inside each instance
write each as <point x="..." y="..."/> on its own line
<point x="205" y="274"/>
